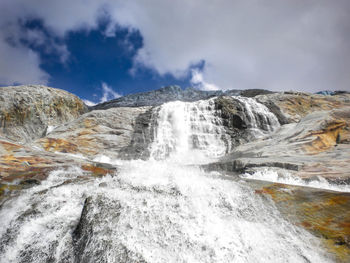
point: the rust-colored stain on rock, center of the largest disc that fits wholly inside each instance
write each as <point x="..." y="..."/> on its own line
<point x="326" y="214"/>
<point x="325" y="138"/>
<point x="59" y="145"/>
<point x="96" y="171"/>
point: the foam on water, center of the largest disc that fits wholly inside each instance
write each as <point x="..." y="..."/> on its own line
<point x="167" y="213"/>
<point x="275" y="177"/>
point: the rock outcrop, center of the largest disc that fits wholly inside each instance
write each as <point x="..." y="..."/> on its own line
<point x="87" y="244"/>
<point x="27" y="112"/>
<point x="316" y="145"/>
<point x="293" y="106"/>
<point x="116" y="132"/>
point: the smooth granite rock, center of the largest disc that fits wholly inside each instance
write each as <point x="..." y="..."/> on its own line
<point x="27" y="112"/>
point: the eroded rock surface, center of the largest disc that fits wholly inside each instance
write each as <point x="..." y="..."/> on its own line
<point x="26" y="112"/>
<point x="116" y="132"/>
<point x="293" y="106"/>
<point x="326" y="214"/>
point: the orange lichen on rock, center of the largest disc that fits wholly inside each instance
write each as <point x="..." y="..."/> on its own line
<point x="324" y="213"/>
<point x="89" y="123"/>
<point x="58" y="145"/>
<point x="9" y="147"/>
<point x="325" y="138"/>
<point x="18" y="165"/>
<point x="96" y="170"/>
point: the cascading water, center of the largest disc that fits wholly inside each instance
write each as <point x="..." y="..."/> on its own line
<point x="258" y="115"/>
<point x="188" y="132"/>
<point x="153" y="211"/>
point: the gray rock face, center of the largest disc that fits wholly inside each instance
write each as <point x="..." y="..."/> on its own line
<point x="27" y="111"/>
<point x="116" y="132"/>
<point x="88" y="246"/>
<point x="315" y="146"/>
<point x="293" y="106"/>
<point x="242" y="121"/>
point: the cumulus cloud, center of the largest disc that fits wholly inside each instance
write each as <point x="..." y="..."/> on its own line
<point x="277" y="45"/>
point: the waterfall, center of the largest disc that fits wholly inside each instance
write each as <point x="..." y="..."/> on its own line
<point x="188" y="131"/>
<point x="157" y="210"/>
<point x="258" y="116"/>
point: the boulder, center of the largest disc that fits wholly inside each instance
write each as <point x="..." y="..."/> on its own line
<point x="27" y="112"/>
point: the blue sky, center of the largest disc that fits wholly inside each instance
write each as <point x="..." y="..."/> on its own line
<point x="100" y="49"/>
<point x="99" y="66"/>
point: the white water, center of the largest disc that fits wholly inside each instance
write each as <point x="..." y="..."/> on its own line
<point x="49" y="129"/>
<point x="188" y="132"/>
<point x="154" y="211"/>
<point x="259" y="117"/>
<point x="273" y="176"/>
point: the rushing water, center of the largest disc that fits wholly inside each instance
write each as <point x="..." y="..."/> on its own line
<point x="189" y="132"/>
<point x="286" y="178"/>
<point x="259" y="118"/>
<point x="160" y="210"/>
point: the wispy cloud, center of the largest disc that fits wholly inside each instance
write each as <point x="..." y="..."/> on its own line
<point x="108" y="93"/>
<point x="198" y="81"/>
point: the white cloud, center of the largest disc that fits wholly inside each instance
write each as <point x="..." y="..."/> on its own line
<point x="278" y="45"/>
<point x="198" y="82"/>
<point x="20" y="65"/>
<point x="108" y="93"/>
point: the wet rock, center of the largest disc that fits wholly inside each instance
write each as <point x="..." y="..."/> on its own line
<point x="326" y="214"/>
<point x="98" y="169"/>
<point x="30" y="182"/>
<point x="142" y="137"/>
<point x="90" y="237"/>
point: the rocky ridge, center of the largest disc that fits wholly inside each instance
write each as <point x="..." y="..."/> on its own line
<point x="172" y="93"/>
